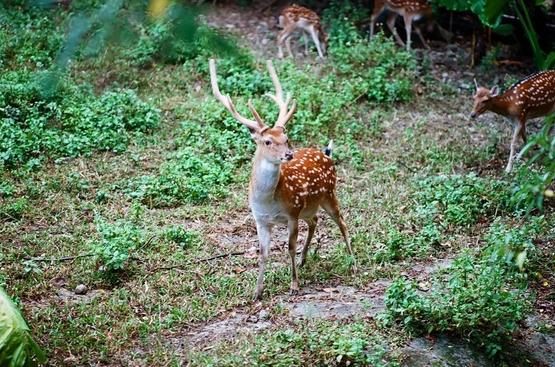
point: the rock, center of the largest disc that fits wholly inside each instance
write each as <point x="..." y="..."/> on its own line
<point x="263" y="315"/>
<point x="81" y="289"/>
<point x="444" y="352"/>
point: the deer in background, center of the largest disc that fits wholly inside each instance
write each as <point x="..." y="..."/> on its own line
<point x="409" y="9"/>
<point x="531" y="97"/>
<point x="285" y="186"/>
<point x="293" y="17"/>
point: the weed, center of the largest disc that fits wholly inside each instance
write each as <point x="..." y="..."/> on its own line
<point x="116" y="243"/>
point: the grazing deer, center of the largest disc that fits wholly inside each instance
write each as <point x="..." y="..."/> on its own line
<point x="409" y="9"/>
<point x="285" y="186"/>
<point x="531" y="97"/>
<point x="293" y="17"/>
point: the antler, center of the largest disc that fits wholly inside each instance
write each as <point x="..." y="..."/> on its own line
<point x="284" y="114"/>
<point x="256" y="124"/>
<point x="476" y="83"/>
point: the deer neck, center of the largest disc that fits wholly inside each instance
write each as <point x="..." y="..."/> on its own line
<point x="264" y="179"/>
<point x="499" y="105"/>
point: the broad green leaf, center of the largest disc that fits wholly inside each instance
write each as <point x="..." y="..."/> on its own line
<point x="17" y="347"/>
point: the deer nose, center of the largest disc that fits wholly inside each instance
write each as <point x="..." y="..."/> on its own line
<point x="289" y="155"/>
<point x="473" y="115"/>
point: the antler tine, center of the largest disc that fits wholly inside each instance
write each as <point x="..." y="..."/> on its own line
<point x="476" y="83"/>
<point x="285" y="114"/>
<point x="255" y="114"/>
<point x="226" y="101"/>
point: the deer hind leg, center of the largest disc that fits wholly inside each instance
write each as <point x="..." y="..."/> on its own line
<point x="516" y="132"/>
<point x="311" y="229"/>
<point x="293" y="227"/>
<point x="419" y="33"/>
<point x="264" y="235"/>
<point x="408" y="28"/>
<point x="332" y="208"/>
<point x="391" y="25"/>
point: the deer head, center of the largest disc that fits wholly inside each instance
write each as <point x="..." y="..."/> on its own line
<point x="481" y="99"/>
<point x="271" y="142"/>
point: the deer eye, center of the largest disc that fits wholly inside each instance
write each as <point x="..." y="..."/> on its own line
<point x="268" y="142"/>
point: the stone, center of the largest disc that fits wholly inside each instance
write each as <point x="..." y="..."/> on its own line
<point x="81" y="289"/>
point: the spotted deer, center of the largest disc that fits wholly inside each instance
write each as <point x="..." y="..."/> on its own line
<point x="285" y="186"/>
<point x="531" y="97"/>
<point x="297" y="17"/>
<point x="409" y="9"/>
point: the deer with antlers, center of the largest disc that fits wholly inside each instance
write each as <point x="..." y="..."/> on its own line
<point x="531" y="97"/>
<point x="285" y="186"/>
<point x="410" y="10"/>
<point x="297" y="17"/>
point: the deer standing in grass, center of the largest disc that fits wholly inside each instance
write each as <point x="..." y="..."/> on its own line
<point x="409" y="9"/>
<point x="297" y="17"/>
<point x="285" y="186"/>
<point x="531" y="97"/>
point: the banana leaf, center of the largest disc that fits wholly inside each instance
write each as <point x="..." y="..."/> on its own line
<point x="17" y="347"/>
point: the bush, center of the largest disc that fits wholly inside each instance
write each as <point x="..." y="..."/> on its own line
<point x="69" y="123"/>
<point x="201" y="168"/>
<point x="535" y="179"/>
<point x="29" y="39"/>
<point x="460" y="199"/>
<point x="116" y="243"/>
<point x="477" y="299"/>
<point x="378" y="69"/>
<point x="481" y="295"/>
<point x="181" y="236"/>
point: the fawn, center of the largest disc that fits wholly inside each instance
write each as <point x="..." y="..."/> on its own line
<point x="409" y="9"/>
<point x="531" y="97"/>
<point x="293" y="17"/>
<point x="285" y="186"/>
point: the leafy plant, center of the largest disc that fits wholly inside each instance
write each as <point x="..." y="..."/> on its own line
<point x="460" y="199"/>
<point x="69" y="123"/>
<point x="116" y="243"/>
<point x="181" y="236"/>
<point x="17" y="347"/>
<point x="535" y="179"/>
<point x="478" y="298"/>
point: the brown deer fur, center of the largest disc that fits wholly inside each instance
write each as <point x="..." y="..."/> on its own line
<point x="531" y="97"/>
<point x="285" y="186"/>
<point x="297" y="17"/>
<point x="409" y="9"/>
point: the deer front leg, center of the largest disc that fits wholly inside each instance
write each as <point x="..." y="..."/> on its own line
<point x="517" y="128"/>
<point x="264" y="232"/>
<point x="316" y="40"/>
<point x="293" y="227"/>
<point x="408" y="28"/>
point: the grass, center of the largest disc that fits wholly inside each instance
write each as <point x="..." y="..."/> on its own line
<point x="142" y="202"/>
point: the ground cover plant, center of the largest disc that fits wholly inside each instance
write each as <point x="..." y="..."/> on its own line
<point x="130" y="179"/>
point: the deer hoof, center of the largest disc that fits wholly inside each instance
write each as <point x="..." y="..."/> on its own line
<point x="257" y="295"/>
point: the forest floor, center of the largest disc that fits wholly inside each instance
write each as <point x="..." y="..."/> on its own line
<point x="183" y="306"/>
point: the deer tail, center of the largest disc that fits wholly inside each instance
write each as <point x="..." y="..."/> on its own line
<point x="329" y="149"/>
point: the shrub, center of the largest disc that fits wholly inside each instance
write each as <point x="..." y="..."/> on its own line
<point x="477" y="299"/>
<point x="201" y="169"/>
<point x="481" y="295"/>
<point x="535" y="179"/>
<point x="116" y="243"/>
<point x="181" y="236"/>
<point x="13" y="208"/>
<point x="29" y="39"/>
<point x="460" y="199"/>
<point x="69" y="123"/>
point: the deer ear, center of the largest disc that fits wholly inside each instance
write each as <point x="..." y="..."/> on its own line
<point x="494" y="92"/>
